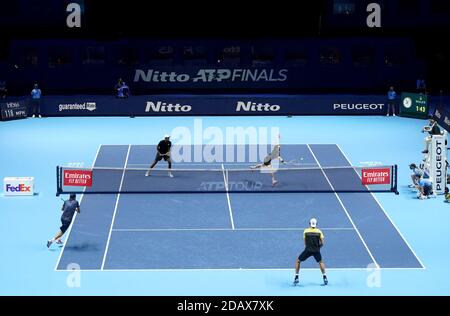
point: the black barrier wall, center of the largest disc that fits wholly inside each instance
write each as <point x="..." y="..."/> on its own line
<point x="212" y="105"/>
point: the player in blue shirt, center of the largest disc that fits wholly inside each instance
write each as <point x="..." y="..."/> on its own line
<point x="69" y="208"/>
<point x="36" y="101"/>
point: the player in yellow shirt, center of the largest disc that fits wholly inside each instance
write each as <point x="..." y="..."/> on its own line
<point x="314" y="240"/>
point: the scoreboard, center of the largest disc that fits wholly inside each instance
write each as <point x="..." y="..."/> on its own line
<point x="13" y="110"/>
<point x="414" y="105"/>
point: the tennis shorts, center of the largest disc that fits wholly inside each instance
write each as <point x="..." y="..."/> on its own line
<point x="306" y="254"/>
<point x="64" y="226"/>
<point x="160" y="157"/>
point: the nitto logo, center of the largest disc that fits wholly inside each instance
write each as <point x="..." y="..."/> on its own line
<point x="212" y="75"/>
<point x="166" y="107"/>
<point x="256" y="107"/>
<point x="20" y="188"/>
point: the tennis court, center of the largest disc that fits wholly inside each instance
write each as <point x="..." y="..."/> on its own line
<point x="227" y="230"/>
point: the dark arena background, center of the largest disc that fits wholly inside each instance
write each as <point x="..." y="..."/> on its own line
<point x="349" y="100"/>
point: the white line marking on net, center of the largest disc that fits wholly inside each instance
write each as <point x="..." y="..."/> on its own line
<point x="225" y="179"/>
<point x="75" y="216"/>
<point x="234" y="269"/>
<point x="222" y="229"/>
<point x="228" y="170"/>
<point x="345" y="209"/>
<point x="384" y="211"/>
<point x="115" y="209"/>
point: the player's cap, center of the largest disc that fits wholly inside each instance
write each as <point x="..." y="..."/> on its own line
<point x="313" y="222"/>
<point x="167" y="136"/>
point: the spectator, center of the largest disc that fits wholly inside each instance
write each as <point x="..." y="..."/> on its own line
<point x="121" y="90"/>
<point x="392" y="96"/>
<point x="421" y="85"/>
<point x="3" y="90"/>
<point x="36" y="100"/>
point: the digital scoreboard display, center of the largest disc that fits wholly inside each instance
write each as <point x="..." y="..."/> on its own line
<point x="414" y="105"/>
<point x="13" y="110"/>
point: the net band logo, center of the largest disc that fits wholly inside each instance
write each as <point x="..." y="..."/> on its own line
<point x="19" y="188"/>
<point x="376" y="176"/>
<point x="82" y="178"/>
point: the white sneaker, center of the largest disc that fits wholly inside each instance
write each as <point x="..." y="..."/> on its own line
<point x="34" y="116"/>
<point x="147" y="173"/>
<point x="274" y="183"/>
<point x="40" y="116"/>
<point x="393" y="114"/>
<point x="387" y="114"/>
<point x="170" y="174"/>
<point x="412" y="186"/>
<point x="422" y="197"/>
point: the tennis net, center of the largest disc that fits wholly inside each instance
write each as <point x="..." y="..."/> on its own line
<point x="244" y="180"/>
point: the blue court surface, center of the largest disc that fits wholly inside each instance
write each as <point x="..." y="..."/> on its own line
<point x="221" y="243"/>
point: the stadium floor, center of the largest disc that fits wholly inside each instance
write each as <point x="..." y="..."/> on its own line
<point x="34" y="147"/>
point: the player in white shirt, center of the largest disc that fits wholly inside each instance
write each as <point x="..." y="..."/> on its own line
<point x="266" y="166"/>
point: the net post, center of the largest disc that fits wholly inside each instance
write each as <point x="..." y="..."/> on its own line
<point x="395" y="188"/>
<point x="58" y="185"/>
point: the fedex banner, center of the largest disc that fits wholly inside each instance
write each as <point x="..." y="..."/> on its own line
<point x="16" y="186"/>
<point x="209" y="105"/>
<point x="371" y="176"/>
<point x="80" y="178"/>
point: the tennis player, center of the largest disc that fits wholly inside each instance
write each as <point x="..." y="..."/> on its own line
<point x="69" y="208"/>
<point x="162" y="151"/>
<point x="267" y="163"/>
<point x="314" y="240"/>
<point x="417" y="174"/>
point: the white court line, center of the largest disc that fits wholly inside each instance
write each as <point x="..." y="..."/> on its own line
<point x="346" y="212"/>
<point x="228" y="197"/>
<point x="237" y="269"/>
<point x="384" y="211"/>
<point x="75" y="216"/>
<point x="115" y="210"/>
<point x="219" y="229"/>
